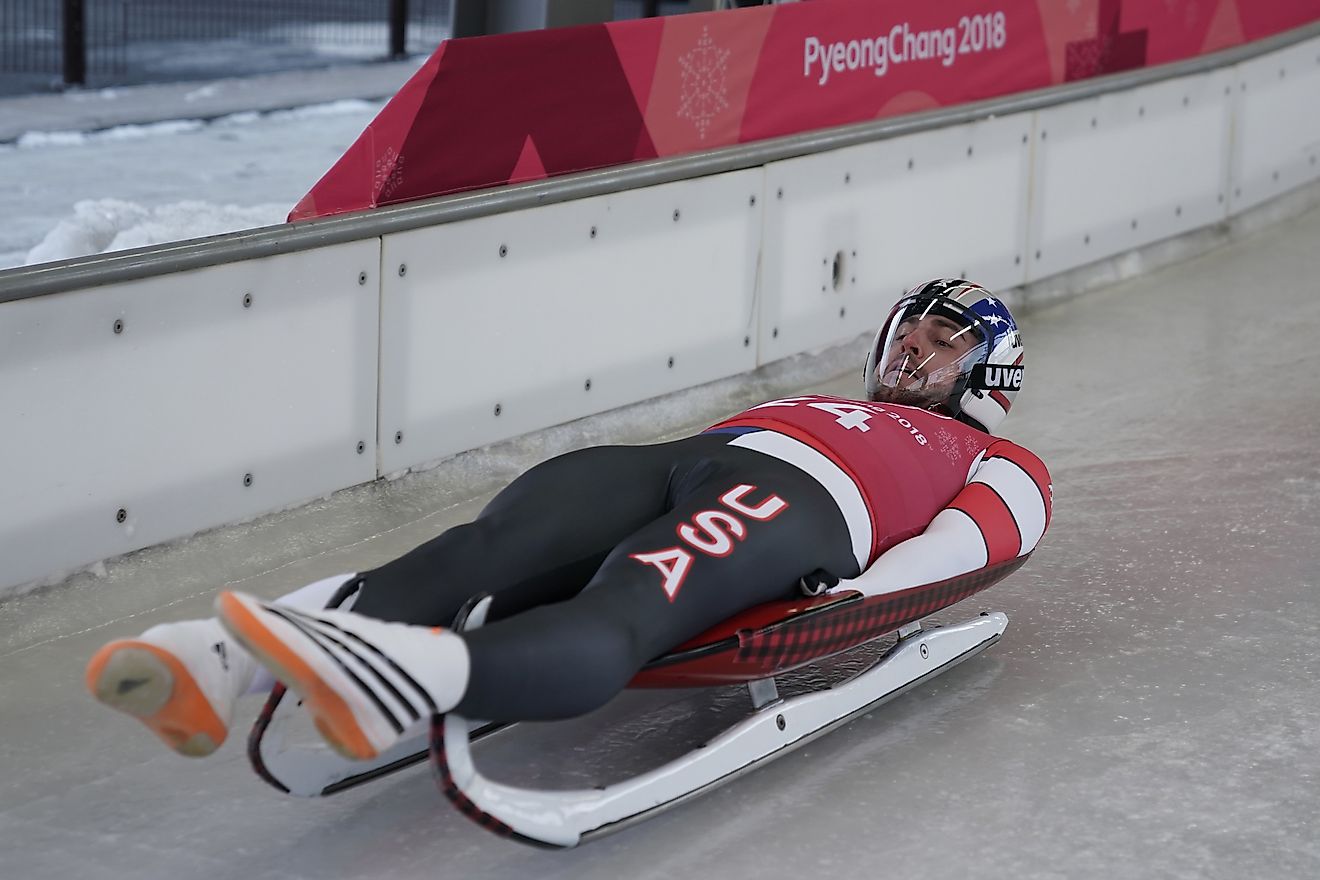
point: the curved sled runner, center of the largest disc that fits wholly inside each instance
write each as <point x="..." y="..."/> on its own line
<point x="751" y="648"/>
<point x="560" y="819"/>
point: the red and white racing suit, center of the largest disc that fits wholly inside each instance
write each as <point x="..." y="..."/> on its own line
<point x="925" y="497"/>
<point x="605" y="558"/>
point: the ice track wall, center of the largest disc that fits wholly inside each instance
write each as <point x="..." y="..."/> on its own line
<point x="501" y="325"/>
<point x="141" y="412"/>
<point x="149" y="409"/>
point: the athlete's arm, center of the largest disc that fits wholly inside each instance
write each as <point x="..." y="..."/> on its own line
<point x="999" y="515"/>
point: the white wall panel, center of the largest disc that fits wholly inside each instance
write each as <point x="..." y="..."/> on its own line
<point x="505" y="324"/>
<point x="949" y="202"/>
<point x="1277" y="145"/>
<point x="363" y="359"/>
<point x="167" y="417"/>
<point x="1126" y="169"/>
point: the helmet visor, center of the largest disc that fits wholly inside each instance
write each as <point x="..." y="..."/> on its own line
<point x="924" y="354"/>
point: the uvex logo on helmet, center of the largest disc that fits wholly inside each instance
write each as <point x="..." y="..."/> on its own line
<point x="996" y="377"/>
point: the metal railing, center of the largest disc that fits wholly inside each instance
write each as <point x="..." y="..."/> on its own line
<point x="54" y="43"/>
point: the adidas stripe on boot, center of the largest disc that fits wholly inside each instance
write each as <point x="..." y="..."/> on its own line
<point x="365" y="681"/>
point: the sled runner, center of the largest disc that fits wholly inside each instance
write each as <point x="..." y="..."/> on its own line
<point x="751" y="648"/>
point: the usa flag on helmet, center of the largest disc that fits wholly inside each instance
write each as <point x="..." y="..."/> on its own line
<point x="987" y="405"/>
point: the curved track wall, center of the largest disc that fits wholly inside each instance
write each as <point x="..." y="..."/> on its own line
<point x="214" y="381"/>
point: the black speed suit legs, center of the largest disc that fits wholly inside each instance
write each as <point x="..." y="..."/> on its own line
<point x="575" y="612"/>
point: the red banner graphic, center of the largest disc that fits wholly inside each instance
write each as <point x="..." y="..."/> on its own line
<point x="502" y="109"/>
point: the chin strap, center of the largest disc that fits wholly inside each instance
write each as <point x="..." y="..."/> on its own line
<point x="963" y="417"/>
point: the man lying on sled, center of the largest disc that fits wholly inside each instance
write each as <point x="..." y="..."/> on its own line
<point x="605" y="558"/>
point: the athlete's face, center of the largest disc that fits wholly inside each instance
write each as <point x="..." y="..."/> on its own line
<point x="923" y="348"/>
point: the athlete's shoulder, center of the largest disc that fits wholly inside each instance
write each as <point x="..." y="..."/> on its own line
<point x="1015" y="452"/>
<point x="1023" y="460"/>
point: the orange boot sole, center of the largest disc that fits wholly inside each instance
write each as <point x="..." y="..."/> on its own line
<point x="152" y="685"/>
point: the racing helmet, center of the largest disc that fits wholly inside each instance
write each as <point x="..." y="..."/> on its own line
<point x="950" y="346"/>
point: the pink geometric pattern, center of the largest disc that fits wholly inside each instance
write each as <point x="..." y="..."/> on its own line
<point x="487" y="111"/>
<point x="1110" y="51"/>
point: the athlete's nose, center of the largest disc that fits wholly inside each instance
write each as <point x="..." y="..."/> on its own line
<point x="914" y="345"/>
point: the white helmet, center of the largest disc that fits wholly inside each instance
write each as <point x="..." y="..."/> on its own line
<point x="949" y="345"/>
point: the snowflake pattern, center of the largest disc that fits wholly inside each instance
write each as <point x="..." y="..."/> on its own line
<point x="948" y="445"/>
<point x="705" y="83"/>
<point x="389" y="173"/>
<point x="973" y="447"/>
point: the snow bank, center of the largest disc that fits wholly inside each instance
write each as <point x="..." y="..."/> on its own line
<point x="155" y="183"/>
<point x="347" y="106"/>
<point x="102" y="225"/>
<point x="35" y="140"/>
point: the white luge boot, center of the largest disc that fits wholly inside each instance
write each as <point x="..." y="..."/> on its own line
<point x="365" y="681"/>
<point x="179" y="679"/>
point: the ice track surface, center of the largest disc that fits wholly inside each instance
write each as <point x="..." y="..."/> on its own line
<point x="1152" y="711"/>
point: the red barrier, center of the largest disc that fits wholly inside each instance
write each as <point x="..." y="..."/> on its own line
<point x="508" y="108"/>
